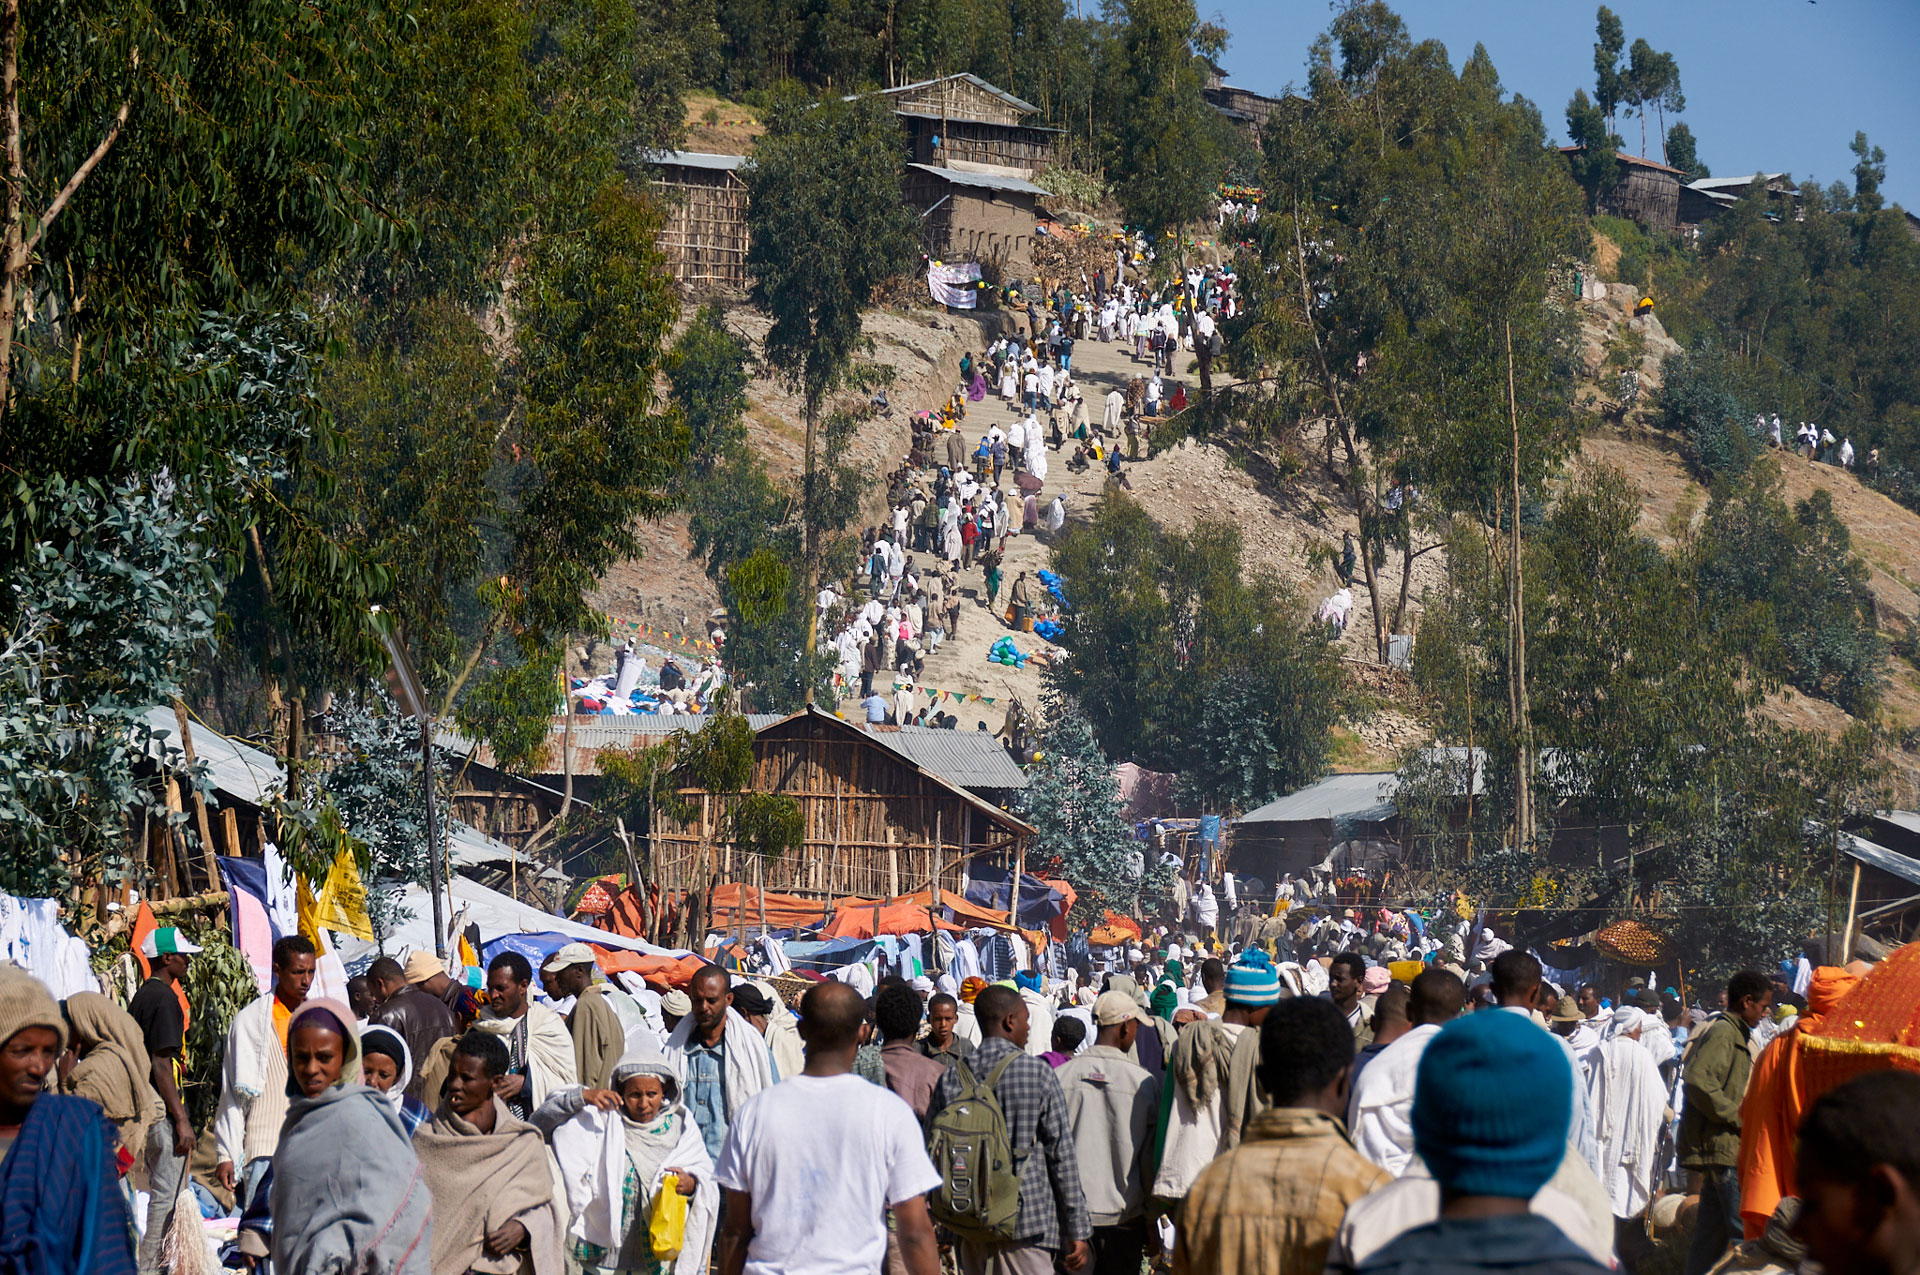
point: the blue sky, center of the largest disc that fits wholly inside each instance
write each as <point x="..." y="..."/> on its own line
<point x="1774" y="85"/>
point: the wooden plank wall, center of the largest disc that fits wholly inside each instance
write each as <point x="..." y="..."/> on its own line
<point x="704" y="231"/>
<point x="874" y="825"/>
<point x="957" y="99"/>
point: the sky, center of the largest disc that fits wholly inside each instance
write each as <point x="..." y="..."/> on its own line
<point x="1771" y="85"/>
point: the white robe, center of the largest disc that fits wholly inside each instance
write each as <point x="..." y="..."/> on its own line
<point x="1380" y="1111"/>
<point x="591" y="1151"/>
<point x="550" y="1058"/>
<point x="1629" y="1104"/>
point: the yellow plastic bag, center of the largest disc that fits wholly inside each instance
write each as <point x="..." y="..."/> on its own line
<point x="667" y="1229"/>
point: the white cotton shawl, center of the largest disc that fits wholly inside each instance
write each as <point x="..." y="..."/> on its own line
<point x="1629" y="1103"/>
<point x="591" y="1151"/>
<point x="550" y="1058"/>
<point x="749" y="1067"/>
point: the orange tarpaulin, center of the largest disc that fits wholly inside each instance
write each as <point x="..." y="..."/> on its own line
<point x="784" y="911"/>
<point x="661" y="972"/>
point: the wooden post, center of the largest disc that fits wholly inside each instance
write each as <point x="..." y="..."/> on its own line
<point x="1019" y="870"/>
<point x="230" y="831"/>
<point x="938" y="855"/>
<point x="1853" y="906"/>
<point x="173" y="840"/>
<point x="199" y="802"/>
<point x="893" y="866"/>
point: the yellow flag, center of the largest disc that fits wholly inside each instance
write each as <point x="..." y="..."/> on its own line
<point x="342" y="903"/>
<point x="304" y="912"/>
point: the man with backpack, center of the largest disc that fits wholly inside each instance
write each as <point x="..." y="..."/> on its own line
<point x="1000" y="1139"/>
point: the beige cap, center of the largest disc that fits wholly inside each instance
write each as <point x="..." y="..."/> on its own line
<point x="423" y="965"/>
<point x="570" y="955"/>
<point x="1113" y="1008"/>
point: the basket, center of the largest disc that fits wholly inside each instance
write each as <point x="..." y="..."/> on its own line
<point x="790" y="988"/>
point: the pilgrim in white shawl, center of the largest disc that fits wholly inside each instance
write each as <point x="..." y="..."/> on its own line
<point x="617" y="1151"/>
<point x="1629" y="1103"/>
<point x="495" y="1212"/>
<point x="540" y="1053"/>
<point x="721" y="1060"/>
<point x="347" y="1193"/>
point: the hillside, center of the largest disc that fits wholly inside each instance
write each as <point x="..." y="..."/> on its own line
<point x="1292" y="528"/>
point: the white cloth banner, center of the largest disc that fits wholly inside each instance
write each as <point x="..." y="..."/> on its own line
<point x="954" y="284"/>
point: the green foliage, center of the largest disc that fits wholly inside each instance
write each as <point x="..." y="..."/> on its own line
<point x="1683" y="153"/>
<point x="1162" y="153"/>
<point x="512" y="707"/>
<point x="1798" y="563"/>
<point x="1646" y="684"/>
<point x="708" y="371"/>
<point x="1869" y="170"/>
<point x="374" y="792"/>
<point x="1074" y="804"/>
<point x="219" y="984"/>
<point x="827" y="227"/>
<point x="113" y="599"/>
<point x="1594" y="169"/>
<point x="1609" y="82"/>
<point x="1181" y="662"/>
<point x="1705" y="398"/>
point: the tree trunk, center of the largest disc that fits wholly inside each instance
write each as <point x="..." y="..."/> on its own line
<point x="807" y="549"/>
<point x="12" y="267"/>
<point x="1519" y="709"/>
<point x="1332" y="385"/>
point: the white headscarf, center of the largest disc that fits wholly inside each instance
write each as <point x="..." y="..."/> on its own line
<point x="397" y="1093"/>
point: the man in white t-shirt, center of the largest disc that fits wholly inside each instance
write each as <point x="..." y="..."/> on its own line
<point x="812" y="1166"/>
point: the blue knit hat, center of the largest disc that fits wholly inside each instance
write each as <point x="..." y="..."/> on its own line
<point x="1252" y="981"/>
<point x="1492" y="1105"/>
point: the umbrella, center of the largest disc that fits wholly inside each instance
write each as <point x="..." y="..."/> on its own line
<point x="1027" y="482"/>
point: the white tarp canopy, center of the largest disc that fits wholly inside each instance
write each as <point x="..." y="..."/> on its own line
<point x="495" y="914"/>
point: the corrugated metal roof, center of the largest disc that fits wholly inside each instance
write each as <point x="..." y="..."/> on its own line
<point x="1368" y="794"/>
<point x="1906" y="820"/>
<point x="965" y="758"/>
<point x="1708" y="185"/>
<point x="470" y="848"/>
<point x="1877" y="856"/>
<point x="697" y="159"/>
<point x="982" y="181"/>
<point x="976" y="81"/>
<point x="237" y="769"/>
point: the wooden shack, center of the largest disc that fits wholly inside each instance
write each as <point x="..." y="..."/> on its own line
<point x="964" y="123"/>
<point x="703" y="231"/>
<point x="876" y="821"/>
<point x="1247" y="109"/>
<point x="1646" y="191"/>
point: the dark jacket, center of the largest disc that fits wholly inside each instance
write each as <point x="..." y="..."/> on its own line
<point x="1522" y="1244"/>
<point x="1717" y="1067"/>
<point x="422" y="1019"/>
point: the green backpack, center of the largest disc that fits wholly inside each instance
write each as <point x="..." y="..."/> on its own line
<point x="979" y="1193"/>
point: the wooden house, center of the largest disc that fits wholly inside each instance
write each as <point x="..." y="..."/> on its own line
<point x="877" y="822"/>
<point x="883" y="805"/>
<point x="703" y="232"/>
<point x="963" y="123"/>
<point x="1703" y="200"/>
<point x="1247" y="109"/>
<point x="1646" y="191"/>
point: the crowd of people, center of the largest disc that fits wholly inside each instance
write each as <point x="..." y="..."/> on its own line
<point x="1815" y="442"/>
<point x="958" y="500"/>
<point x="1313" y="1099"/>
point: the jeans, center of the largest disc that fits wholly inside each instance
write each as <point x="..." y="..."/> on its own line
<point x="166" y="1173"/>
<point x="1718" y="1223"/>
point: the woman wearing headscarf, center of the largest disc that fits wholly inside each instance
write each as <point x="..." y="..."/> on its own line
<point x="113" y="1069"/>
<point x="386" y="1065"/>
<point x="616" y="1158"/>
<point x="61" y="1211"/>
<point x="347" y="1193"/>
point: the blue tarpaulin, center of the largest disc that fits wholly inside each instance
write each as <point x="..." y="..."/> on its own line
<point x="827" y="954"/>
<point x="1039" y="902"/>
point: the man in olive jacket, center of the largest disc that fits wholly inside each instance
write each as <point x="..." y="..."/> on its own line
<point x="1717" y="1067"/>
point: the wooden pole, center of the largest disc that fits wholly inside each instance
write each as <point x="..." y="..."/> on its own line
<point x="230" y="830"/>
<point x="1853" y="908"/>
<point x="199" y="802"/>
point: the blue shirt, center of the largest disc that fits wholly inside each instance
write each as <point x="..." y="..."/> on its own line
<point x="876" y="707"/>
<point x="707" y="1092"/>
